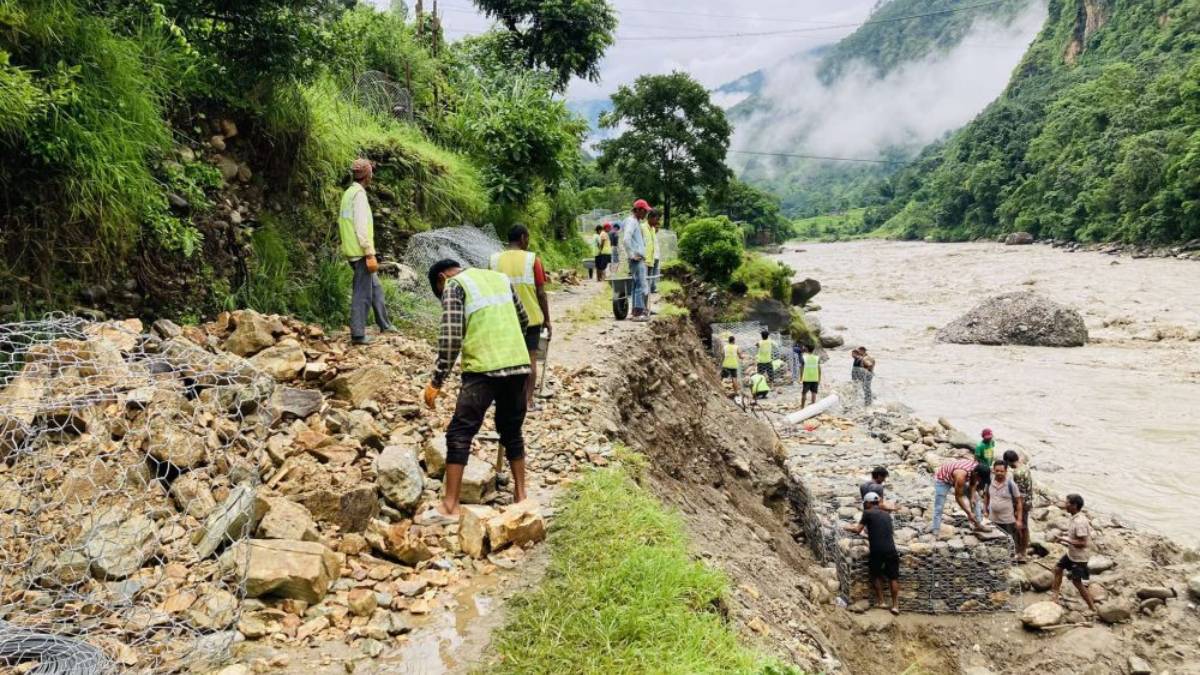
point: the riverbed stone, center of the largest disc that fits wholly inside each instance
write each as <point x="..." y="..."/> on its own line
<point x="1042" y="614"/>
<point x="1114" y="612"/>
<point x="1194" y="586"/>
<point x="1139" y="666"/>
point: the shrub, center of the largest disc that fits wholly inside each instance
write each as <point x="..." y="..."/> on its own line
<point x="713" y="246"/>
<point x="766" y="277"/>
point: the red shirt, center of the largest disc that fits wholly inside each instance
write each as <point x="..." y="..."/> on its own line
<point x="539" y="273"/>
<point x="945" y="473"/>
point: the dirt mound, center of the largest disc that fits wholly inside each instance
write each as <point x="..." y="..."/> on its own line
<point x="1018" y="318"/>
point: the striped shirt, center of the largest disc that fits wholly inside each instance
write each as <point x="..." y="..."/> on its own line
<point x="945" y="473"/>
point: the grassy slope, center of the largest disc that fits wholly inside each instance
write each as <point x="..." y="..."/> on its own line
<point x="622" y="594"/>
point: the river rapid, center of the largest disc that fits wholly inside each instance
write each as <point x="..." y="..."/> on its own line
<point x="1117" y="421"/>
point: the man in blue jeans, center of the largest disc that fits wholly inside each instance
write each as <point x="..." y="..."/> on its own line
<point x="634" y="244"/>
<point x="963" y="477"/>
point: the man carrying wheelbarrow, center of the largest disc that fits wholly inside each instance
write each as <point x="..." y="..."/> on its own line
<point x="633" y="241"/>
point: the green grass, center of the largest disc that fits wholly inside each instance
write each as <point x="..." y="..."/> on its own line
<point x="622" y="594"/>
<point x="832" y="227"/>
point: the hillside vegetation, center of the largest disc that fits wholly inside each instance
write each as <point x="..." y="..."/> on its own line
<point x="1096" y="138"/>
<point x="177" y="158"/>
<point x="859" y="63"/>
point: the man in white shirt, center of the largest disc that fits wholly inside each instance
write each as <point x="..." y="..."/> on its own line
<point x="634" y="244"/>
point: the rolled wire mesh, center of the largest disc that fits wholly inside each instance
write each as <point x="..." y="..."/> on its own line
<point x="129" y="463"/>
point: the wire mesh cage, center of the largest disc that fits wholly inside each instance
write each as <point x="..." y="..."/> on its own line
<point x="130" y="466"/>
<point x="470" y="246"/>
<point x="375" y="91"/>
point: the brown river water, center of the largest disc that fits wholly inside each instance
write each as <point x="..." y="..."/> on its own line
<point x="1117" y="421"/>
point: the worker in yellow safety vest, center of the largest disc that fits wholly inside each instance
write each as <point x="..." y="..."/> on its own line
<point x="484" y="319"/>
<point x="528" y="277"/>
<point x="603" y="246"/>
<point x="653" y="252"/>
<point x="356" y="230"/>
<point x="731" y="362"/>
<point x="759" y="386"/>
<point x="766" y="354"/>
<point x="810" y="373"/>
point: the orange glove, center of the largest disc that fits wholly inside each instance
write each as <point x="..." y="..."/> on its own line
<point x="372" y="264"/>
<point x="431" y="394"/>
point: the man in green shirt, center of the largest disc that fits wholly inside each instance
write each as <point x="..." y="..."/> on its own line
<point x="985" y="454"/>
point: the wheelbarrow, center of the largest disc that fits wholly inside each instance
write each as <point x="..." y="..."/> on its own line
<point x="622" y="291"/>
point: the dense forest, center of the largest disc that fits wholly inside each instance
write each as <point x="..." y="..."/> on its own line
<point x="1097" y="137"/>
<point x="177" y="158"/>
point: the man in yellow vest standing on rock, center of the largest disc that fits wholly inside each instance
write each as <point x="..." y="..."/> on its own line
<point x="484" y="320"/>
<point x="810" y="374"/>
<point x="356" y="228"/>
<point x="765" y="355"/>
<point x="528" y="278"/>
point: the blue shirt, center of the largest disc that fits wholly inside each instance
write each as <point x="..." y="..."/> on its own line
<point x="631" y="237"/>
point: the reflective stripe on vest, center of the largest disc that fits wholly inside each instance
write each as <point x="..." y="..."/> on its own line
<point x="812" y="371"/>
<point x="759" y="384"/>
<point x="731" y="357"/>
<point x="350" y="247"/>
<point x="493" y="339"/>
<point x="518" y="267"/>
<point x="764" y="351"/>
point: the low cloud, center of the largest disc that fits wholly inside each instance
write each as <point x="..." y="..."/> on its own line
<point x="861" y="114"/>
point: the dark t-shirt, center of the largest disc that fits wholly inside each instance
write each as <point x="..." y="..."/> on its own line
<point x="870" y="486"/>
<point x="879" y="531"/>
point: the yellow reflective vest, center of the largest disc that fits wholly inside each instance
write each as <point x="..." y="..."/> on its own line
<point x="493" y="339"/>
<point x="603" y="244"/>
<point x="812" y="369"/>
<point x="518" y="267"/>
<point x="765" y="351"/>
<point x="648" y="237"/>
<point x="731" y="357"/>
<point x="350" y="247"/>
<point x="759" y="384"/>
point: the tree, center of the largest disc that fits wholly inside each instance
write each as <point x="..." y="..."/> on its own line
<point x="675" y="142"/>
<point x="566" y="37"/>
<point x="713" y="246"/>
<point x="760" y="211"/>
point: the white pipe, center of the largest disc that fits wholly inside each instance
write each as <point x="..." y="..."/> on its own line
<point x="813" y="410"/>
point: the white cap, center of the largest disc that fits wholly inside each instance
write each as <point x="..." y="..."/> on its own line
<point x="870" y="498"/>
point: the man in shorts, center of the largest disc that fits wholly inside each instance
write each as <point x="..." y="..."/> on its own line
<point x="810" y="374"/>
<point x="1074" y="564"/>
<point x="731" y="361"/>
<point x="883" y="561"/>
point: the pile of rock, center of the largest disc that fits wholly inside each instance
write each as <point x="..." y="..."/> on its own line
<point x="1018" y="318"/>
<point x="250" y="478"/>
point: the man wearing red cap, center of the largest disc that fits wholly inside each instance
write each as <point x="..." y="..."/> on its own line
<point x="634" y="242"/>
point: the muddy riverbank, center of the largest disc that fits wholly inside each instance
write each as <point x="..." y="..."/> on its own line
<point x="1115" y="420"/>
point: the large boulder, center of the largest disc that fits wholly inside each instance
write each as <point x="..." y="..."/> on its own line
<point x="803" y="291"/>
<point x="1194" y="586"/>
<point x="478" y="482"/>
<point x="301" y="570"/>
<point x="1018" y="239"/>
<point x="1018" y="318"/>
<point x="1040" y="615"/>
<point x="517" y="525"/>
<point x="285" y="519"/>
<point x="773" y="314"/>
<point x="400" y="477"/>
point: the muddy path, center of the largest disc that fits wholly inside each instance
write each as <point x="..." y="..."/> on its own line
<point x="454" y="634"/>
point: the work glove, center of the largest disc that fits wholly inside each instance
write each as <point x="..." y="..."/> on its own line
<point x="431" y="395"/>
<point x="372" y="264"/>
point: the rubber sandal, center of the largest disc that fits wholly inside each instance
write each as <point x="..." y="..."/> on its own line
<point x="434" y="517"/>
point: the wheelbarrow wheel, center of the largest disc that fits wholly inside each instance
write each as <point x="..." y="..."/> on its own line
<point x="621" y="308"/>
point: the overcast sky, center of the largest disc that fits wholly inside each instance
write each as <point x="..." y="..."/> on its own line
<point x="711" y="61"/>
